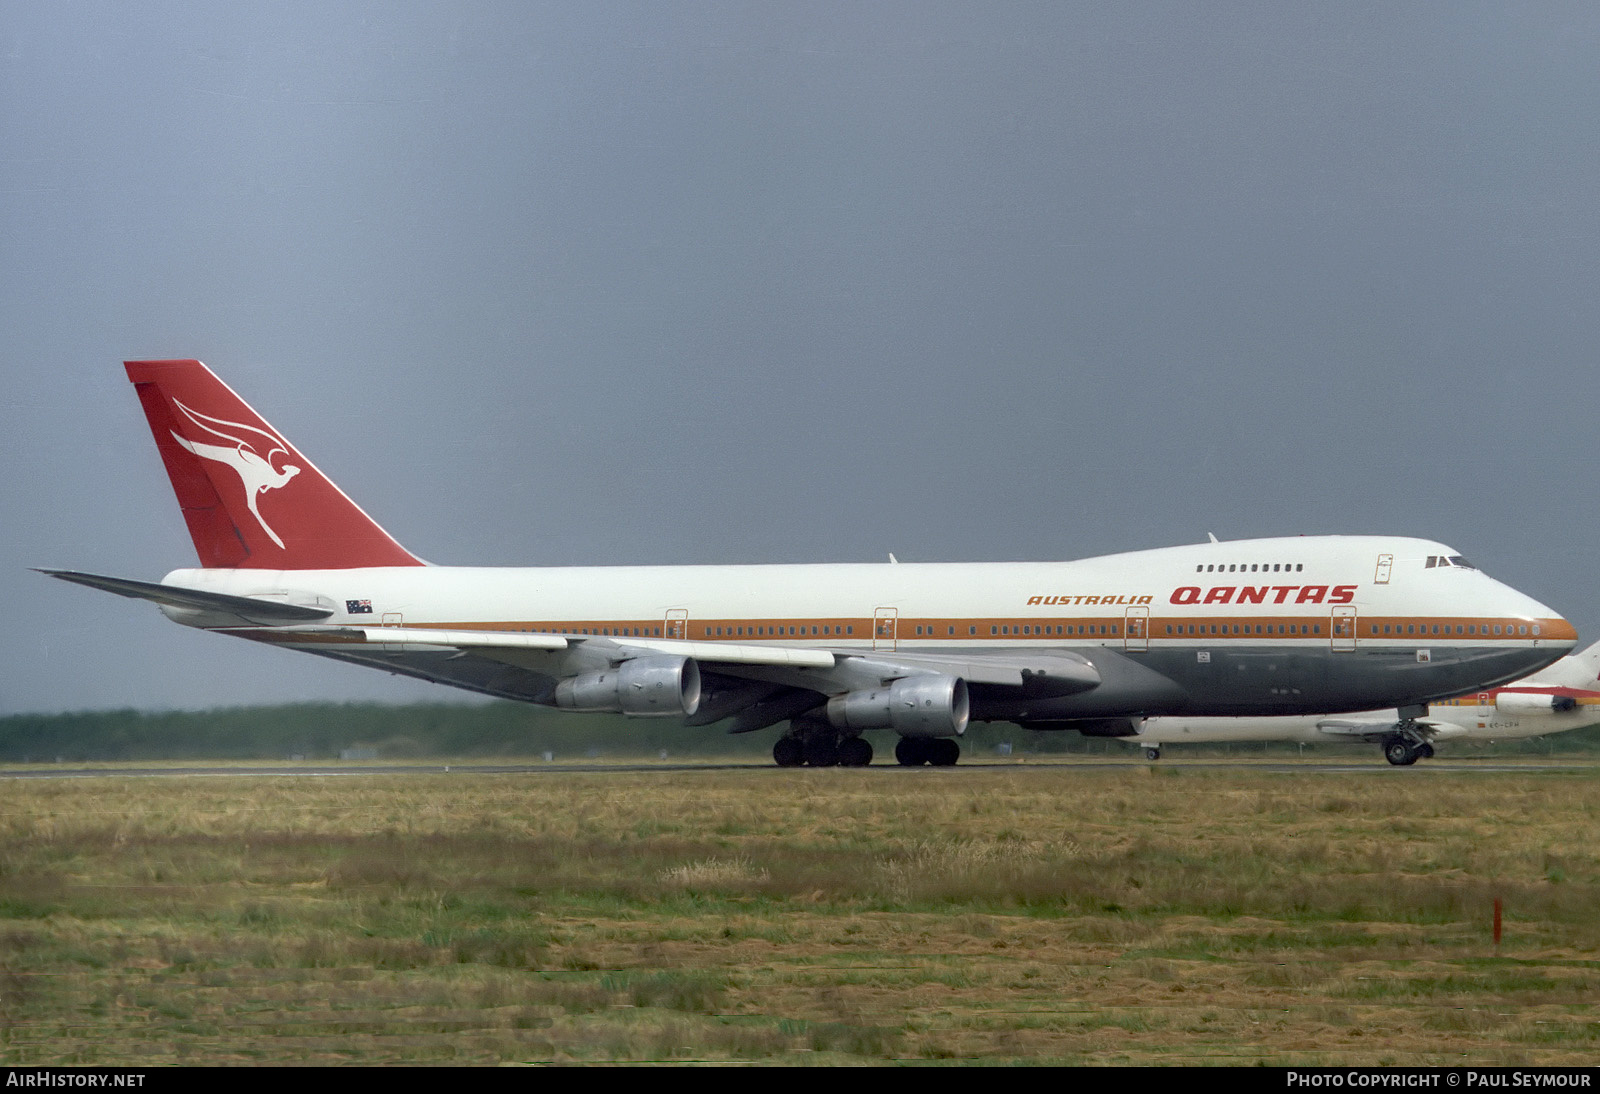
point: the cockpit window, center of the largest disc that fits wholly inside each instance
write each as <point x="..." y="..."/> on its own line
<point x="1457" y="560"/>
<point x="1451" y="560"/>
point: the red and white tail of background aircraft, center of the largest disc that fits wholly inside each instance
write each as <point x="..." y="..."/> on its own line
<point x="1564" y="696"/>
<point x="1300" y="625"/>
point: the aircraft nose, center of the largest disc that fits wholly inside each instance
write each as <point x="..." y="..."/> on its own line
<point x="1547" y="625"/>
<point x="1554" y="628"/>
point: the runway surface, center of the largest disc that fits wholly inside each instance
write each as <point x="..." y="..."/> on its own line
<point x="556" y="768"/>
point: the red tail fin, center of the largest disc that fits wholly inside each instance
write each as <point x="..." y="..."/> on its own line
<point x="251" y="500"/>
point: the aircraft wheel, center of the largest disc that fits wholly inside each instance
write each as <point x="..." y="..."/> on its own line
<point x="1426" y="752"/>
<point x="909" y="751"/>
<point x="855" y="752"/>
<point x="1152" y="754"/>
<point x="822" y="752"/>
<point x="1399" y="753"/>
<point x="788" y="752"/>
<point x="943" y="752"/>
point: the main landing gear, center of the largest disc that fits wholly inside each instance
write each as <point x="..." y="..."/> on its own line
<point x="815" y="743"/>
<point x="935" y="751"/>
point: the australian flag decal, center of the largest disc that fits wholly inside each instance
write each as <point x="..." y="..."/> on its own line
<point x="358" y="607"/>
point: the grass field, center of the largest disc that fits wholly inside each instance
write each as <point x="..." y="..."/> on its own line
<point x="1030" y="913"/>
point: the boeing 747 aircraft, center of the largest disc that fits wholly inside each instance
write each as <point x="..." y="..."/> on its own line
<point x="1564" y="696"/>
<point x="1299" y="625"/>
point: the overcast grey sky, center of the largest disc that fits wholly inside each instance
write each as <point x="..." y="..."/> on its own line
<point x="780" y="282"/>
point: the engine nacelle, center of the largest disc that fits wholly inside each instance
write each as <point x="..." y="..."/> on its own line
<point x="913" y="706"/>
<point x="663" y="687"/>
<point x="1533" y="702"/>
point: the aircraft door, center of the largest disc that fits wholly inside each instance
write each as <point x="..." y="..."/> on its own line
<point x="677" y="623"/>
<point x="1342" y="627"/>
<point x="393" y="619"/>
<point x="1385" y="564"/>
<point x="1136" y="634"/>
<point x="885" y="628"/>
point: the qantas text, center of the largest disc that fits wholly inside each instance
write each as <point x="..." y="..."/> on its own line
<point x="1258" y="594"/>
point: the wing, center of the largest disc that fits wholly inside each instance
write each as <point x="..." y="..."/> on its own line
<point x="1429" y="729"/>
<point x="753" y="685"/>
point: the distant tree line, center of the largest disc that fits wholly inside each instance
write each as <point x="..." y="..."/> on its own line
<point x="487" y="730"/>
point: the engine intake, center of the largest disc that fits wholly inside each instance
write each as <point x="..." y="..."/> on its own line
<point x="914" y="706"/>
<point x="645" y="687"/>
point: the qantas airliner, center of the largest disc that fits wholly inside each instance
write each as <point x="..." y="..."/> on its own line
<point x="1301" y="625"/>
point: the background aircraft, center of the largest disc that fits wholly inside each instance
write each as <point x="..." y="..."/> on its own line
<point x="1564" y="696"/>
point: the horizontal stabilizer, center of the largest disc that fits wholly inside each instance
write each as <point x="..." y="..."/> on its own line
<point x="255" y="609"/>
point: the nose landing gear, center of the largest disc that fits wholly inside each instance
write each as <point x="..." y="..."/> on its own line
<point x="1407" y="745"/>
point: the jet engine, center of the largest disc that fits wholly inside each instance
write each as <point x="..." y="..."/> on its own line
<point x="1533" y="702"/>
<point x="934" y="705"/>
<point x="643" y="687"/>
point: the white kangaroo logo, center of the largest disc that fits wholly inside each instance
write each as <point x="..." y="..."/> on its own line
<point x="255" y="470"/>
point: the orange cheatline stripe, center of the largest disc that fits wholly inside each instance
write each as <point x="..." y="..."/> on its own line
<point x="1093" y="629"/>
